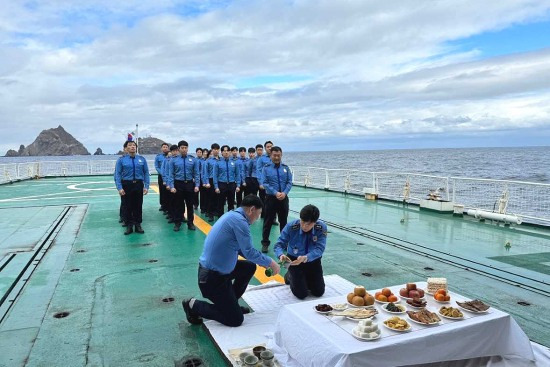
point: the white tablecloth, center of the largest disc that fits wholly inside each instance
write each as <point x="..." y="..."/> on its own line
<point x="312" y="339"/>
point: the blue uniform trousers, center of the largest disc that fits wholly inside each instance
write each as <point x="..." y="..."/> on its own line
<point x="224" y="290"/>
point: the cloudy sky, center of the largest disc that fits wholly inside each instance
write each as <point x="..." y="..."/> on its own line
<point x="307" y="74"/>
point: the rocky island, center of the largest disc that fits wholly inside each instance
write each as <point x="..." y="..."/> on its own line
<point x="51" y="142"/>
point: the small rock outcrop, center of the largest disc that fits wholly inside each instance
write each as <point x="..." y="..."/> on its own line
<point x="52" y="142"/>
<point x="99" y="152"/>
<point x="149" y="145"/>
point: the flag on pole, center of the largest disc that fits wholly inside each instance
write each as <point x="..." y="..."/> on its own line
<point x="131" y="136"/>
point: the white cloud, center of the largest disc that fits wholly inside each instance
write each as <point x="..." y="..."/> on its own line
<point x="376" y="69"/>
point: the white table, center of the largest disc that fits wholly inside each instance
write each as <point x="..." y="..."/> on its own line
<point x="312" y="339"/>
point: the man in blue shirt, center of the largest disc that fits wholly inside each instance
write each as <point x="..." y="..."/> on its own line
<point x="226" y="174"/>
<point x="159" y="159"/>
<point x="241" y="160"/>
<point x="262" y="161"/>
<point x="170" y="198"/>
<point x="250" y="178"/>
<point x="198" y="153"/>
<point x="277" y="181"/>
<point x="132" y="182"/>
<point x="184" y="181"/>
<point x="208" y="181"/>
<point x="223" y="278"/>
<point x="304" y="241"/>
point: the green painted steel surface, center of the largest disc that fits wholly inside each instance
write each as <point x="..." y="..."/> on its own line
<point x="115" y="300"/>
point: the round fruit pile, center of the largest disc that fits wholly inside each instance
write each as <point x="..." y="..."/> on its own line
<point x="411" y="291"/>
<point x="442" y="296"/>
<point x="385" y="295"/>
<point x="360" y="297"/>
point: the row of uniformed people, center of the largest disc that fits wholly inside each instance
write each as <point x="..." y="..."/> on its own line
<point x="219" y="179"/>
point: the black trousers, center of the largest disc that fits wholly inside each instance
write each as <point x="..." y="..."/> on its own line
<point x="224" y="290"/>
<point x="240" y="195"/>
<point x="163" y="194"/>
<point x="203" y="200"/>
<point x="261" y="194"/>
<point x="185" y="196"/>
<point x="212" y="206"/>
<point x="227" y="193"/>
<point x="274" y="207"/>
<point x="252" y="186"/>
<point x="133" y="201"/>
<point x="306" y="277"/>
<point x="122" y="210"/>
<point x="171" y="202"/>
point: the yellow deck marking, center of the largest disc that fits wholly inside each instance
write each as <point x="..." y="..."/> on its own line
<point x="260" y="270"/>
<point x="155" y="188"/>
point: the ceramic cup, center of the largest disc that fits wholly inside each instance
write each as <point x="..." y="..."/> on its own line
<point x="257" y="350"/>
<point x="251" y="360"/>
<point x="243" y="355"/>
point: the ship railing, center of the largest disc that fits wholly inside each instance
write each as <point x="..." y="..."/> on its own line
<point x="528" y="200"/>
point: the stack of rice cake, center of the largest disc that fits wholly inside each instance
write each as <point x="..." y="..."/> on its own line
<point x="434" y="284"/>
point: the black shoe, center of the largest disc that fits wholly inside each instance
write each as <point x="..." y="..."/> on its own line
<point x="287" y="277"/>
<point x="129" y="229"/>
<point x="161" y="209"/>
<point x="245" y="310"/>
<point x="275" y="223"/>
<point x="210" y="219"/>
<point x="191" y="227"/>
<point x="120" y="220"/>
<point x="170" y="220"/>
<point x="124" y="224"/>
<point x="189" y="314"/>
<point x="265" y="249"/>
<point x="139" y="229"/>
<point x="184" y="220"/>
<point x="203" y="211"/>
<point x="177" y="227"/>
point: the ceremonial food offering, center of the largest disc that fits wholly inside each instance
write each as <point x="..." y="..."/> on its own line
<point x="475" y="306"/>
<point x="366" y="330"/>
<point x="397" y="324"/>
<point x="451" y="313"/>
<point x="424" y="317"/>
<point x="436" y="283"/>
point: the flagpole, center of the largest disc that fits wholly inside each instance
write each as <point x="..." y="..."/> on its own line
<point x="137" y="139"/>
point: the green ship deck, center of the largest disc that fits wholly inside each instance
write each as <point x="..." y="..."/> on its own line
<point x="76" y="291"/>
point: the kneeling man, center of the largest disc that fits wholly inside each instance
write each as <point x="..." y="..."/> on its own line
<point x="304" y="241"/>
<point x="222" y="277"/>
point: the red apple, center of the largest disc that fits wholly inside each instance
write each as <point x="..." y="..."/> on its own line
<point x="414" y="294"/>
<point x="420" y="293"/>
<point x="411" y="286"/>
<point x="403" y="292"/>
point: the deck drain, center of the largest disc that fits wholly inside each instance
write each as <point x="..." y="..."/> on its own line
<point x="61" y="315"/>
<point x="523" y="303"/>
<point x="168" y="299"/>
<point x="73" y="270"/>
<point x="146" y="244"/>
<point x="428" y="268"/>
<point x="153" y="260"/>
<point x="191" y="362"/>
<point x="360" y="243"/>
<point x="367" y="274"/>
<point x="80" y="250"/>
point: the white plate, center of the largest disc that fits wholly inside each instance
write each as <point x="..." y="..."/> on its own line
<point x="339" y="309"/>
<point x="350" y="305"/>
<point x="421" y="323"/>
<point x="401" y="331"/>
<point x="465" y="309"/>
<point x="421" y="298"/>
<point x="415" y="307"/>
<point x="449" y="317"/>
<point x="360" y="318"/>
<point x="394" y="313"/>
<point x="321" y="312"/>
<point x="366" y="339"/>
<point x="385" y="303"/>
<point x="426" y="292"/>
<point x="442" y="302"/>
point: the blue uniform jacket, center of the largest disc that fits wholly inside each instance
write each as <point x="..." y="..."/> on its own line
<point x="165" y="169"/>
<point x="226" y="170"/>
<point x="229" y="235"/>
<point x="296" y="242"/>
<point x="183" y="169"/>
<point x="250" y="168"/>
<point x="261" y="162"/>
<point x="131" y="168"/>
<point x="208" y="170"/>
<point x="159" y="159"/>
<point x="276" y="179"/>
<point x="240" y="164"/>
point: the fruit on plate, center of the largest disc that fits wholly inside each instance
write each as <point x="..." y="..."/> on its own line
<point x="382" y="298"/>
<point x="323" y="307"/>
<point x="385" y="295"/>
<point x="369" y="300"/>
<point x="360" y="291"/>
<point x="386" y="292"/>
<point x="358" y="301"/>
<point x="416" y="302"/>
<point x="442" y="296"/>
<point x="350" y="297"/>
<point x="411" y="291"/>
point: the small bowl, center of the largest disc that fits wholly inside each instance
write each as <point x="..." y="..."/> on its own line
<point x="258" y="350"/>
<point x="243" y="355"/>
<point x="266" y="355"/>
<point x="251" y="360"/>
